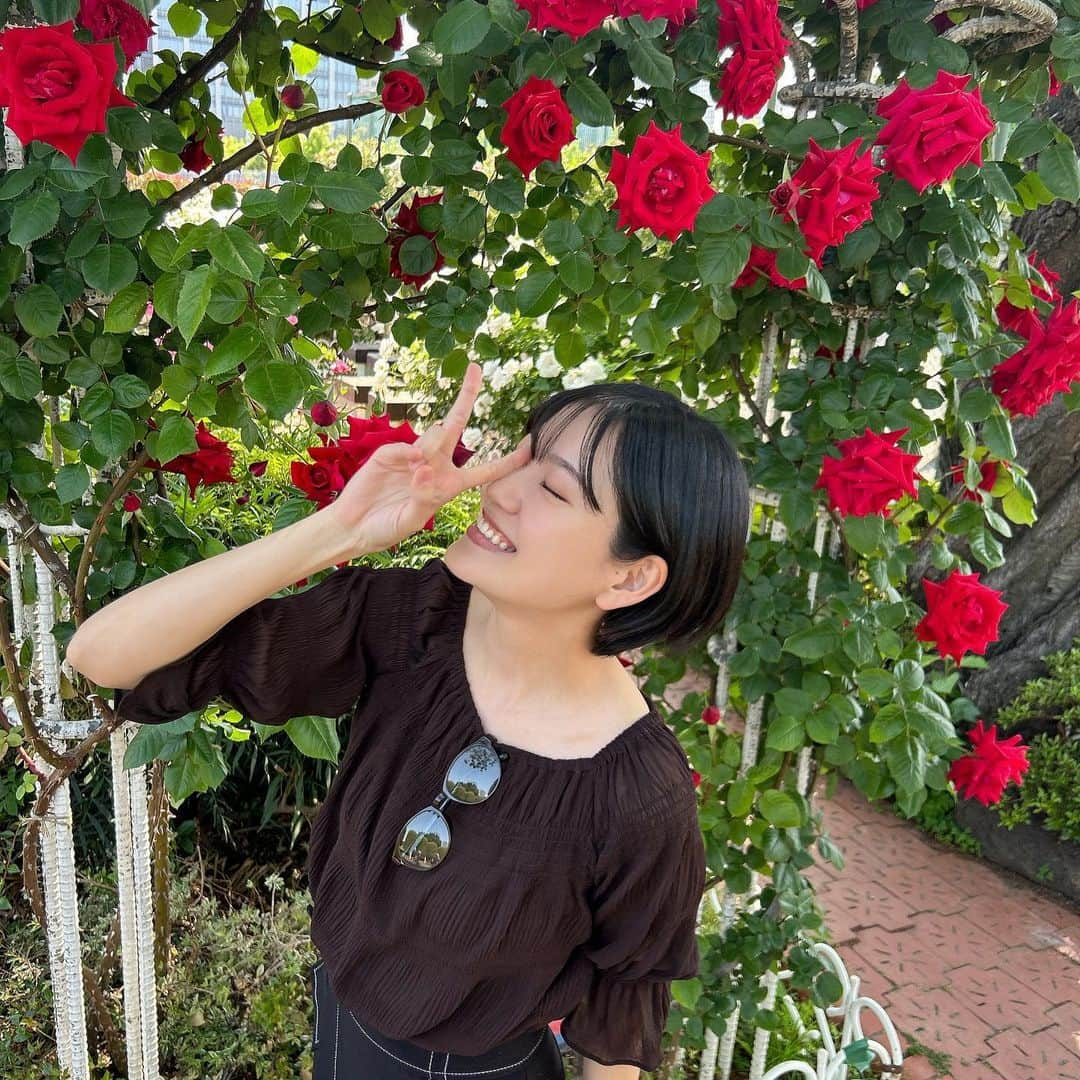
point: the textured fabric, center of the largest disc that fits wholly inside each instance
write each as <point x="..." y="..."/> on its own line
<point x="572" y="892"/>
<point x="346" y="1049"/>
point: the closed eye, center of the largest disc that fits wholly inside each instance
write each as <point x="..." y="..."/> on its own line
<point x="555" y="493"/>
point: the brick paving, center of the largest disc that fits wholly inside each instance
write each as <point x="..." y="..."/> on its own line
<point x="968" y="960"/>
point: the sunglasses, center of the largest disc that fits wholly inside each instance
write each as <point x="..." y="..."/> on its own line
<point x="472" y="777"/>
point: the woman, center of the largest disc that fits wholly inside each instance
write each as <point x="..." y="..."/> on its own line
<point x="512" y="833"/>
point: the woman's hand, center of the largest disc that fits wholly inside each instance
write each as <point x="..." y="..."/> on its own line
<point x="402" y="484"/>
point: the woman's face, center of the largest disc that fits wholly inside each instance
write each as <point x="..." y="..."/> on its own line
<point x="560" y="560"/>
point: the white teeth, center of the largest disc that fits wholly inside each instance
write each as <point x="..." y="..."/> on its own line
<point x="493" y="536"/>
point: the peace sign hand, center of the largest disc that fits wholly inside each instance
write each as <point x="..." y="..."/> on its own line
<point x="402" y="484"/>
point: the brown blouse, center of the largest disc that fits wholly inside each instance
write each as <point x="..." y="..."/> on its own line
<point x="571" y="892"/>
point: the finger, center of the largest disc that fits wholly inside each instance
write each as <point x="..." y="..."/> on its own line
<point x="452" y="427"/>
<point x="475" y="475"/>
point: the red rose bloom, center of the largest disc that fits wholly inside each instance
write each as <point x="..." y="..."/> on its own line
<point x="662" y="184"/>
<point x="932" y="132"/>
<point x="747" y="81"/>
<point x="747" y="22"/>
<point x="406" y="224"/>
<point x="574" y="17"/>
<point x="993" y="763"/>
<point x="538" y="124"/>
<point x="257" y="468"/>
<point x="211" y="463"/>
<point x="116" y="19"/>
<point x="696" y="776"/>
<point x="836" y="189"/>
<point x="56" y="89"/>
<point x="675" y="11"/>
<point x="132" y="502"/>
<point x="961" y="615"/>
<point x="1047" y="365"/>
<point x="762" y="263"/>
<point x="401" y="91"/>
<point x="711" y="715"/>
<point x="195" y="157"/>
<point x="869" y="474"/>
<point x="1026" y="321"/>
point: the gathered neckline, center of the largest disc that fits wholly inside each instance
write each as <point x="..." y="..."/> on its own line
<point x="627" y="735"/>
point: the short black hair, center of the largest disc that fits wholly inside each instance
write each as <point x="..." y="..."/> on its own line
<point x="681" y="493"/>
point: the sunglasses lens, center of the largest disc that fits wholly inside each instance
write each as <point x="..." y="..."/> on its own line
<point x="474" y="774"/>
<point x="424" y="841"/>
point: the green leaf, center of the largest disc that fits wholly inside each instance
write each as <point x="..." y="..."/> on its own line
<point x="417" y="255"/>
<point x="184" y="20"/>
<point x="237" y="345"/>
<point x="997" y="432"/>
<point x="562" y="237"/>
<point x="112" y="433"/>
<point x="126" y="308"/>
<point x="1060" y="171"/>
<point x="72" y="481"/>
<point x="176" y="437"/>
<point x="20" y="377"/>
<point x="193" y="298"/>
<point x="537" y="293"/>
<point x="865" y="534"/>
<point x="462" y="28"/>
<point x="39" y="310"/>
<point x="813" y="642"/>
<point x="722" y="256"/>
<point x="379" y="19"/>
<point x="314" y="736"/>
<point x="740" y="797"/>
<point x="877" y="682"/>
<point x="780" y="809"/>
<point x="126" y="215"/>
<point x="793" y="702"/>
<point x="277" y="387"/>
<point x="577" y="272"/>
<point x="462" y="218"/>
<point x="55" y="12"/>
<point x="650" y="65"/>
<point x="129" y="390"/>
<point x="109" y="267"/>
<point x="589" y="104"/>
<point x="348" y="192"/>
<point x="785" y="733"/>
<point x="237" y="252"/>
<point x="35" y="216"/>
<point x="506" y="195"/>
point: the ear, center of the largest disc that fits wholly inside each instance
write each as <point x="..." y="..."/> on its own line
<point x="638" y="581"/>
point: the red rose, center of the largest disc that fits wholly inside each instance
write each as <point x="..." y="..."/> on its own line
<point x="401" y="91"/>
<point x="836" y="188"/>
<point x="397" y="38"/>
<point x="762" y="263"/>
<point x="932" y="132"/>
<point x="748" y="80"/>
<point x="116" y="19"/>
<point x="56" y="89"/>
<point x="1055" y="85"/>
<point x="961" y="615"/>
<point x="988" y="472"/>
<point x="243" y="500"/>
<point x="747" y="22"/>
<point x="323" y="413"/>
<point x="711" y="715"/>
<point x="984" y="773"/>
<point x="406" y="224"/>
<point x="211" y="463"/>
<point x="257" y="468"/>
<point x="320" y="482"/>
<point x="869" y="474"/>
<point x="785" y="197"/>
<point x="675" y="11"/>
<point x="574" y="17"/>
<point x="132" y="502"/>
<point x="538" y="124"/>
<point x="1026" y="321"/>
<point x="696" y="777"/>
<point x="1047" y="365"/>
<point x="292" y="96"/>
<point x="662" y="184"/>
<point x="194" y="156"/>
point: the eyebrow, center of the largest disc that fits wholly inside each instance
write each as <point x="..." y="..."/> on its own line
<point x="568" y="467"/>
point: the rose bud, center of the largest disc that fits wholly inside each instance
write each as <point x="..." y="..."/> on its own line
<point x="711" y="715"/>
<point x="697" y="778"/>
<point x="784" y="196"/>
<point x="195" y="157"/>
<point x="323" y="413"/>
<point x="257" y="468"/>
<point x="132" y="502"/>
<point x="292" y="97"/>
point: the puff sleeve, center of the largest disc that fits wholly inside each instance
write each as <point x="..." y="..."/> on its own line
<point x="306" y="653"/>
<point x="649" y="883"/>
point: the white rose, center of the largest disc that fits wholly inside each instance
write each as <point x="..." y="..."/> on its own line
<point x="444" y="382"/>
<point x="388" y="348"/>
<point x="423" y="409"/>
<point x="381" y="366"/>
<point x="482" y="405"/>
<point x="548" y="366"/>
<point x="490" y="367"/>
<point x="472" y="437"/>
<point x="500" y="324"/>
<point x="592" y="371"/>
<point x="572" y="379"/>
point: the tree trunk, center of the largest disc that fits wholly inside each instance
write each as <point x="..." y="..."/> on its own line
<point x="1041" y="575"/>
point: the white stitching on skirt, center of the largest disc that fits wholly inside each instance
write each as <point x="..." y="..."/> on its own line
<point x="431" y="1058"/>
<point x="337" y="1020"/>
<point x="316" y="992"/>
<point x="420" y="1068"/>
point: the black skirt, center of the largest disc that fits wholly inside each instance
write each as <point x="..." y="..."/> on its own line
<point x="345" y="1049"/>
